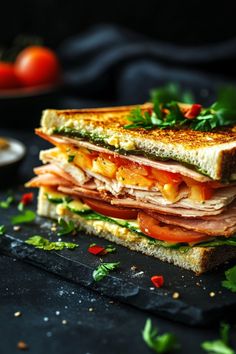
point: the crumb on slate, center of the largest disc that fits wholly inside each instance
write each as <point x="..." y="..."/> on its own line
<point x="133" y="267"/>
<point x="17" y="314"/>
<point x="22" y="345"/>
<point x="175" y="295"/>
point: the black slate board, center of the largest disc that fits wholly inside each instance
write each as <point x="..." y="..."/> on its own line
<point x="195" y="306"/>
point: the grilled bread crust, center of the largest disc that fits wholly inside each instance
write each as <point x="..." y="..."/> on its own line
<point x="212" y="153"/>
<point x="196" y="259"/>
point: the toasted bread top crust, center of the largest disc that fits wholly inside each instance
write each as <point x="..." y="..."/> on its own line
<point x="116" y="117"/>
<point x="212" y="153"/>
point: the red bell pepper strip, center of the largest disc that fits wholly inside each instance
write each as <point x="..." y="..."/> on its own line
<point x="193" y="111"/>
<point x="157" y="280"/>
<point x="27" y="198"/>
<point x="96" y="250"/>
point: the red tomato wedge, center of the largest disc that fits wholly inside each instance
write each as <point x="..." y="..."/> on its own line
<point x="110" y="210"/>
<point x="152" y="227"/>
<point x="8" y="78"/>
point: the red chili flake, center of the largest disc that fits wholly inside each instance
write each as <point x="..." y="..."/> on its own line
<point x="150" y="111"/>
<point x="193" y="111"/>
<point x="96" y="250"/>
<point x="27" y="198"/>
<point x="157" y="280"/>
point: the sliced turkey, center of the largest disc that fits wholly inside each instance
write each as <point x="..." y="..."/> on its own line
<point x="169" y="166"/>
<point x="223" y="224"/>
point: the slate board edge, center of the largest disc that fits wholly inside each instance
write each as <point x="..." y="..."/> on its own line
<point x="110" y="286"/>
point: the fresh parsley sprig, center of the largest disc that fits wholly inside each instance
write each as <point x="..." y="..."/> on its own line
<point x="160" y="343"/>
<point x="26" y="216"/>
<point x="5" y="204"/>
<point x="43" y="243"/>
<point x="167" y="111"/>
<point x="219" y="346"/>
<point x="140" y="120"/>
<point x="104" y="269"/>
<point x="2" y="230"/>
<point x="66" y="227"/>
<point x="230" y="282"/>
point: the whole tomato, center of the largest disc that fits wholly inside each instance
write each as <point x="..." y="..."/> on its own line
<point x="37" y="66"/>
<point x="8" y="77"/>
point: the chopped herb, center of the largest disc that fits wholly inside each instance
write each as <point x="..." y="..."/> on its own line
<point x="67" y="199"/>
<point x="168" y="112"/>
<point x="71" y="158"/>
<point x="140" y="120"/>
<point x="2" y="230"/>
<point x="162" y="343"/>
<point x="25" y="217"/>
<point x="110" y="249"/>
<point x="20" y="206"/>
<point x="66" y="227"/>
<point x="92" y="244"/>
<point x="46" y="245"/>
<point x="6" y="203"/>
<point x="103" y="270"/>
<point x="230" y="282"/>
<point x="219" y="346"/>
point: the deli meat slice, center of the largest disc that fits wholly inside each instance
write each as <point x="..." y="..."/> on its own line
<point x="223" y="224"/>
<point x="80" y="192"/>
<point x="57" y="162"/>
<point x="220" y="199"/>
<point x="139" y="204"/>
<point x="48" y="179"/>
<point x="169" y="166"/>
<point x="53" y="156"/>
<point x="55" y="170"/>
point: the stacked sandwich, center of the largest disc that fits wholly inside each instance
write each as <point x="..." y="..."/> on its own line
<point x="169" y="193"/>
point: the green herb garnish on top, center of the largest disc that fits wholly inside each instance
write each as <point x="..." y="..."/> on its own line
<point x="174" y="109"/>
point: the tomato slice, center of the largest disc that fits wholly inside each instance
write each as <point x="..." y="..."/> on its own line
<point x="152" y="227"/>
<point x="110" y="210"/>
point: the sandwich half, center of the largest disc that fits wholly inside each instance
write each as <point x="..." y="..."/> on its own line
<point x="168" y="193"/>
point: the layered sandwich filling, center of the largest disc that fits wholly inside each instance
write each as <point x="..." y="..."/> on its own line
<point x="166" y="201"/>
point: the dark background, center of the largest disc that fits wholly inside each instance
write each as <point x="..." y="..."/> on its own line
<point x="114" y="52"/>
<point x="182" y="21"/>
<point x="202" y="53"/>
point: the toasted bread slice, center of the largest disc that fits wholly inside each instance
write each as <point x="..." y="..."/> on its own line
<point x="211" y="153"/>
<point x="196" y="259"/>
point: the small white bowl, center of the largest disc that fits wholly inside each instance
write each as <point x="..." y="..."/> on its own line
<point x="10" y="159"/>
